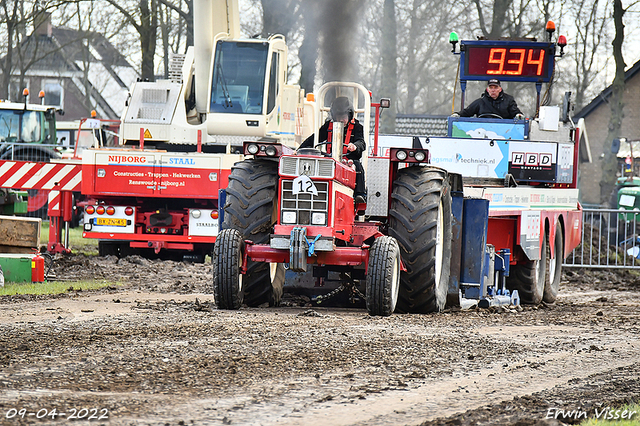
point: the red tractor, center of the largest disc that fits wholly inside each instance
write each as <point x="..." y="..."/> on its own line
<point x="296" y="210"/>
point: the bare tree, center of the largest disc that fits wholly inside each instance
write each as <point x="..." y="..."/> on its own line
<point x="592" y="22"/>
<point x="12" y="20"/>
<point x="610" y="164"/>
<point x="23" y="50"/>
<point x="499" y="21"/>
<point x="144" y="18"/>
<point x="186" y="17"/>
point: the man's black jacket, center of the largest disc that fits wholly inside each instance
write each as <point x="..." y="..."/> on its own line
<point x="504" y="106"/>
<point x="357" y="138"/>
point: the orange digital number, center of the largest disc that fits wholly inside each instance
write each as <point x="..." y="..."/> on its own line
<point x="499" y="61"/>
<point x="537" y="62"/>
<point x="519" y="61"/>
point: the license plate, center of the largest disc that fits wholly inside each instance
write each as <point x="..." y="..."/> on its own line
<point x="110" y="221"/>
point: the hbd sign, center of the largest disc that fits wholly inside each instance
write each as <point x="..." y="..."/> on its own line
<point x="531" y="159"/>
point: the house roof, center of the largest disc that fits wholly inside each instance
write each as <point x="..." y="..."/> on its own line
<point x="67" y="52"/>
<point x="605" y="94"/>
<point x="420" y="125"/>
<point x="101" y="50"/>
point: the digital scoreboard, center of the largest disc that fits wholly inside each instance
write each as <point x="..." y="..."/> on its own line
<point x="507" y="60"/>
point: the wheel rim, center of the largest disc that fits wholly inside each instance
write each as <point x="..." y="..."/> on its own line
<point x="439" y="245"/>
<point x="395" y="283"/>
<point x="552" y="267"/>
<point x="273" y="268"/>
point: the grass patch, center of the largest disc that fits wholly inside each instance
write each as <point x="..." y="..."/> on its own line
<point x="614" y="416"/>
<point x="76" y="242"/>
<point x="51" y="287"/>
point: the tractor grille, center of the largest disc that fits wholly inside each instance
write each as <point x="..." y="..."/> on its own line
<point x="305" y="205"/>
<point x="312" y="167"/>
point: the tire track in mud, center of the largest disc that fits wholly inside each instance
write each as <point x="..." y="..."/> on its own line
<point x="163" y="357"/>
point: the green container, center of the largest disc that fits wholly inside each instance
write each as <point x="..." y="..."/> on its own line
<point x="16" y="267"/>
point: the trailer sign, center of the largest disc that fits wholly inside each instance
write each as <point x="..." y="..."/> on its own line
<point x="153" y="174"/>
<point x="107" y="221"/>
<point x="533" y="160"/>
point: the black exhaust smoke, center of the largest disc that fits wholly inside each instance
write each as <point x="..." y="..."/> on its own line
<point x="338" y="24"/>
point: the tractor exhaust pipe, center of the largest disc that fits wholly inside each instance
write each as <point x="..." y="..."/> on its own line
<point x="337" y="138"/>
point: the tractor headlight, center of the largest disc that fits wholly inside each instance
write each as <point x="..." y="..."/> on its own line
<point x="253" y="149"/>
<point x="318" y="218"/>
<point x="420" y="156"/>
<point x="289" y="217"/>
<point x="271" y="151"/>
<point x="401" y="155"/>
<point x="196" y="214"/>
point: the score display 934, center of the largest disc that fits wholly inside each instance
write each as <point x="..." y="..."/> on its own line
<point x="526" y="62"/>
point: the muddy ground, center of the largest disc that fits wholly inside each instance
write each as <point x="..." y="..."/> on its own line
<point x="155" y="350"/>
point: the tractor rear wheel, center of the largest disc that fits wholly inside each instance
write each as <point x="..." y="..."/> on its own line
<point x="227" y="261"/>
<point x="420" y="220"/>
<point x="250" y="209"/>
<point x="554" y="267"/>
<point x="528" y="278"/>
<point x="383" y="276"/>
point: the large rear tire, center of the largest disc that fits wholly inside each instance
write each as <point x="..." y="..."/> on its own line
<point x="528" y="278"/>
<point x="420" y="220"/>
<point x="554" y="267"/>
<point x="250" y="209"/>
<point x="227" y="261"/>
<point x="383" y="277"/>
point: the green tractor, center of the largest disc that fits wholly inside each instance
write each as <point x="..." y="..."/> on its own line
<point x="13" y="202"/>
<point x="27" y="133"/>
<point x="624" y="226"/>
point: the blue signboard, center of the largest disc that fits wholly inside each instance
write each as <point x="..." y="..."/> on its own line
<point x="487" y="128"/>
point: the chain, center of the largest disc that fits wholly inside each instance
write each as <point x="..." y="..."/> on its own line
<point x="331" y="294"/>
<point x="353" y="288"/>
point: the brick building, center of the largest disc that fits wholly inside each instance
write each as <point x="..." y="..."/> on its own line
<point x="596" y="116"/>
<point x="78" y="70"/>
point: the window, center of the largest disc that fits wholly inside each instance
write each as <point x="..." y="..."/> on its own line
<point x="20" y="126"/>
<point x="238" y="77"/>
<point x="15" y="90"/>
<point x="53" y="93"/>
<point x="273" y="82"/>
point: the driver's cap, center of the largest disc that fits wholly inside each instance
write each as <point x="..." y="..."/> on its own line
<point x="493" y="82"/>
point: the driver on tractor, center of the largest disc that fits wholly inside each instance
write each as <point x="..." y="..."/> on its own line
<point x="342" y="111"/>
<point x="493" y="102"/>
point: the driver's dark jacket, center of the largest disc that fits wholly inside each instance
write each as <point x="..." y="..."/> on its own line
<point x="504" y="106"/>
<point x="357" y="138"/>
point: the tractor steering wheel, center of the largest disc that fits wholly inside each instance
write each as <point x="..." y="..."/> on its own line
<point x="324" y="153"/>
<point x="490" y="115"/>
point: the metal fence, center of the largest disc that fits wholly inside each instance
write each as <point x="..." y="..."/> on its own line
<point x="610" y="239"/>
<point x="33" y="152"/>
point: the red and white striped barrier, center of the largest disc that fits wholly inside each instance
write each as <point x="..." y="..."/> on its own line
<point x="30" y="175"/>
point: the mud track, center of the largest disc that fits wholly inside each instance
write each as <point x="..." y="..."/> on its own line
<point x="155" y="350"/>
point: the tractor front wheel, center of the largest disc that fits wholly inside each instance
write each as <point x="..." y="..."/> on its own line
<point x="383" y="276"/>
<point x="251" y="210"/>
<point x="227" y="261"/>
<point x="420" y="220"/>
